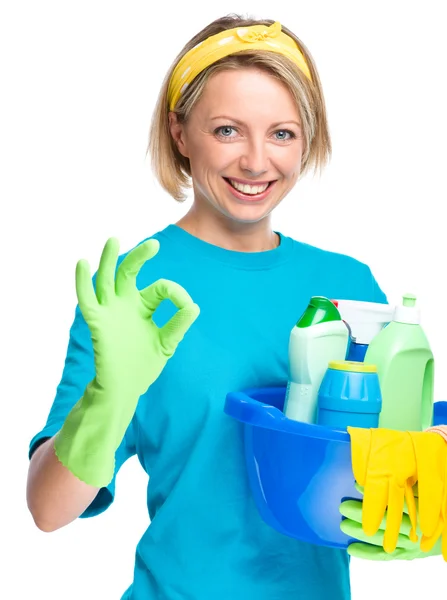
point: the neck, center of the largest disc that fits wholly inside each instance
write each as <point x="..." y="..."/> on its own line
<point x="231" y="235"/>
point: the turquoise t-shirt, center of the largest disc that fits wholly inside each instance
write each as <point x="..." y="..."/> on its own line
<point x="206" y="540"/>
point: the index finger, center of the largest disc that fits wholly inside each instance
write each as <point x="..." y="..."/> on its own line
<point x="165" y="289"/>
<point x="130" y="266"/>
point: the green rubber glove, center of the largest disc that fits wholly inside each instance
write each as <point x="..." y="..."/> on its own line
<point x="130" y="352"/>
<point x="371" y="547"/>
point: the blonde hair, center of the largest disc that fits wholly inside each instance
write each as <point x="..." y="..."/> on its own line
<point x="173" y="170"/>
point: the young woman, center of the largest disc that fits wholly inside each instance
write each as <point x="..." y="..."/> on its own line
<point x="240" y="117"/>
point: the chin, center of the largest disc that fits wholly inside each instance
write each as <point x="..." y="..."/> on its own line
<point x="252" y="214"/>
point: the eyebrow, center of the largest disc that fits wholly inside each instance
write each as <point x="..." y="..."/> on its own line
<point x="242" y="123"/>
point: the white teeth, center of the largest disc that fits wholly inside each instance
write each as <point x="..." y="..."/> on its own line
<point x="249" y="189"/>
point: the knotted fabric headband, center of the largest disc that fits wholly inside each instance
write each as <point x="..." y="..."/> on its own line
<point x="230" y="41"/>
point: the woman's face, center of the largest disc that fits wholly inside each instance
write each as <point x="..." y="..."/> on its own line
<point x="244" y="143"/>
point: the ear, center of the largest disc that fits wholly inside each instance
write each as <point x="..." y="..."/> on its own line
<point x="178" y="134"/>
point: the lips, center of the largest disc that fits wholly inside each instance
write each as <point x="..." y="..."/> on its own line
<point x="249" y="197"/>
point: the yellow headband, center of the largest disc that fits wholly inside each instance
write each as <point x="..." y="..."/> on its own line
<point x="230" y="41"/>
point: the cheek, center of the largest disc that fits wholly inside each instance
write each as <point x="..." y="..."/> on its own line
<point x="213" y="156"/>
<point x="291" y="165"/>
<point x="199" y="160"/>
<point x="287" y="159"/>
<point x="294" y="159"/>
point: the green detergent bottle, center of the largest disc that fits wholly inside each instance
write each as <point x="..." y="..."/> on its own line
<point x="318" y="337"/>
<point x="405" y="366"/>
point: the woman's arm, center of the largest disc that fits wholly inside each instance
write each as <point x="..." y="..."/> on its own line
<point x="54" y="495"/>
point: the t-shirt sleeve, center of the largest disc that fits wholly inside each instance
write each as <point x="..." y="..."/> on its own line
<point x="77" y="373"/>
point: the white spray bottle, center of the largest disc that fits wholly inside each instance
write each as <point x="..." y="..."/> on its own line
<point x="365" y="320"/>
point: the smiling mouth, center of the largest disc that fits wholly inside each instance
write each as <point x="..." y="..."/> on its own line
<point x="249" y="189"/>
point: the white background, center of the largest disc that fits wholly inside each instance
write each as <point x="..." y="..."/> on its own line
<point x="79" y="84"/>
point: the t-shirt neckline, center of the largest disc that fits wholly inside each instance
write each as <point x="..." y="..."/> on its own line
<point x="247" y="260"/>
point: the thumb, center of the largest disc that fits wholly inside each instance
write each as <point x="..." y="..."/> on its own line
<point x="175" y="329"/>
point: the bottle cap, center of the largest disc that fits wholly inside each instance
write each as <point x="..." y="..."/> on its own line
<point x="319" y="310"/>
<point x="407" y="312"/>
<point x="352" y="366"/>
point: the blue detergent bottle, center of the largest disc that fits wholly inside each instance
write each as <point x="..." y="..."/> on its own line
<point x="349" y="395"/>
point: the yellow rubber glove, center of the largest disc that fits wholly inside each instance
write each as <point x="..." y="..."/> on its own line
<point x="384" y="464"/>
<point x="431" y="461"/>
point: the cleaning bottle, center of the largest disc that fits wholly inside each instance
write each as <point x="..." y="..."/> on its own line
<point x="405" y="366"/>
<point x="365" y="320"/>
<point x="349" y="396"/>
<point x="320" y="336"/>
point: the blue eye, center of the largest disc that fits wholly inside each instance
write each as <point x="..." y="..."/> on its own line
<point x="285" y="132"/>
<point x="225" y="131"/>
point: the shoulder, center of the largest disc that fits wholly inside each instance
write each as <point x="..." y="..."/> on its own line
<point x="329" y="258"/>
<point x="340" y="275"/>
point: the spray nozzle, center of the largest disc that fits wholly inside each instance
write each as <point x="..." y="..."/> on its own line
<point x="364" y="319"/>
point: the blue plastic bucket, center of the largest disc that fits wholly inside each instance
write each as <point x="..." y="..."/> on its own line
<point x="299" y="473"/>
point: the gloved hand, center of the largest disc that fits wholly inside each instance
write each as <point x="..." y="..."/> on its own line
<point x="383" y="461"/>
<point x="130" y="352"/>
<point x="371" y="547"/>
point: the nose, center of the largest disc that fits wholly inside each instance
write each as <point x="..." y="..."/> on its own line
<point x="255" y="157"/>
